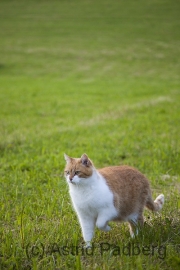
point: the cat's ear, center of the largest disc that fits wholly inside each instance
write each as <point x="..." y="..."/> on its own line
<point x="67" y="158"/>
<point x="85" y="160"/>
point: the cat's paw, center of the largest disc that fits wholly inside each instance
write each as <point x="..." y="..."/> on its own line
<point x="88" y="244"/>
<point x="103" y="225"/>
<point x="107" y="228"/>
<point x="134" y="233"/>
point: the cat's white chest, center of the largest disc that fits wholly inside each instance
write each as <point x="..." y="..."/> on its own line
<point x="93" y="196"/>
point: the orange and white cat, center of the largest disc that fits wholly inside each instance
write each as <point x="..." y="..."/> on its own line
<point x="117" y="193"/>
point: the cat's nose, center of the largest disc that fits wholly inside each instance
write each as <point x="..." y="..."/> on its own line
<point x="71" y="178"/>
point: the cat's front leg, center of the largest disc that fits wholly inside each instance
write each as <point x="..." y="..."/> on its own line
<point x="87" y="225"/>
<point x="102" y="223"/>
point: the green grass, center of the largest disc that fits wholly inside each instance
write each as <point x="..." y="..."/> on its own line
<point x="100" y="77"/>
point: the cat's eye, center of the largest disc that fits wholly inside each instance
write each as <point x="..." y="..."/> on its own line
<point x="77" y="172"/>
<point x="67" y="172"/>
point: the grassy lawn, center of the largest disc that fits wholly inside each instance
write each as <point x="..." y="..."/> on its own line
<point x="95" y="77"/>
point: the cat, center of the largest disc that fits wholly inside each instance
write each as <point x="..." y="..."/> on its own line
<point x="116" y="193"/>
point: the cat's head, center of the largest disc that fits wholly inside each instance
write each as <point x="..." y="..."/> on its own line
<point x="78" y="170"/>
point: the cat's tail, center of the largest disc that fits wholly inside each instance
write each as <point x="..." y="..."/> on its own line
<point x="157" y="204"/>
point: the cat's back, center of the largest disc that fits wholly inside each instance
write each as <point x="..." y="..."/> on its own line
<point x="122" y="177"/>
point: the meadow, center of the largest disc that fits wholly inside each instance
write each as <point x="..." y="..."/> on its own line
<point x="95" y="77"/>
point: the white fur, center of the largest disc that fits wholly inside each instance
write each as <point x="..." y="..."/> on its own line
<point x="133" y="217"/>
<point x="160" y="201"/>
<point x="93" y="202"/>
